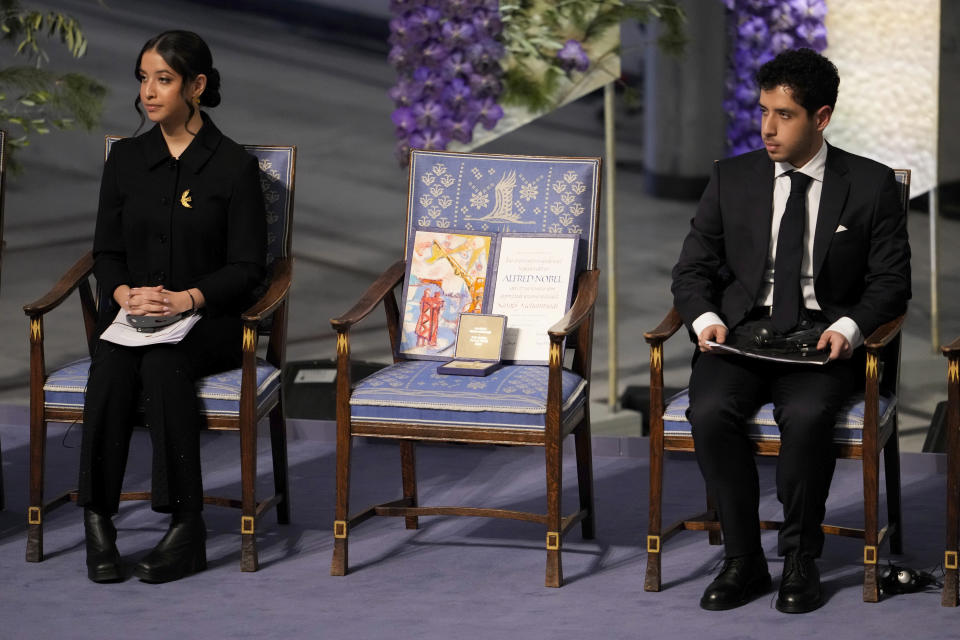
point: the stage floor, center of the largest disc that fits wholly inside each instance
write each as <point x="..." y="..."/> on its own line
<point x="467" y="578"/>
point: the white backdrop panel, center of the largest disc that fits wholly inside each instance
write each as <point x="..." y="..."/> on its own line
<point x="888" y="55"/>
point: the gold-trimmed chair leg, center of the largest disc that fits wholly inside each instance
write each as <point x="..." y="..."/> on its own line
<point x="949" y="595"/>
<point x="339" y="565"/>
<point x="651" y="581"/>
<point x="871" y="586"/>
<point x="554" y="564"/>
<point x="34" y="534"/>
<point x="249" y="560"/>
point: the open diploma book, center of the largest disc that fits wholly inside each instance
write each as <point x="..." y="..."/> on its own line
<point x="120" y="332"/>
<point x="527" y="277"/>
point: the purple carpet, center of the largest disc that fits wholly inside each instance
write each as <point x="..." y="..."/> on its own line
<point x="453" y="578"/>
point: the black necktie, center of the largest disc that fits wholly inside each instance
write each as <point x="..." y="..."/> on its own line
<point x="786" y="266"/>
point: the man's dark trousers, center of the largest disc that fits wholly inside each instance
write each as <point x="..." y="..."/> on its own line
<point x="725" y="391"/>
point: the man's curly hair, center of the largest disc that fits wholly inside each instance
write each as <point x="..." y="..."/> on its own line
<point x="812" y="79"/>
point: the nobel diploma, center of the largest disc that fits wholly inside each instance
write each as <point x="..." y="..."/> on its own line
<point x="532" y="288"/>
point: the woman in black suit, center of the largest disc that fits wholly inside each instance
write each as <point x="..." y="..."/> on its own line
<point x="180" y="229"/>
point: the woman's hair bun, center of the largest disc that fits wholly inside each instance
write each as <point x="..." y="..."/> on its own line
<point x="211" y="95"/>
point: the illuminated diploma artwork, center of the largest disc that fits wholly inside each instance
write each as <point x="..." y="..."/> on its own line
<point x="447" y="276"/>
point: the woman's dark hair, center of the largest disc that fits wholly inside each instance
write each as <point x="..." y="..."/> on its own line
<point x="812" y="79"/>
<point x="188" y="55"/>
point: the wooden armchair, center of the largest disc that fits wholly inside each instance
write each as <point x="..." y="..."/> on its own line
<point x="231" y="400"/>
<point x="867" y="428"/>
<point x="409" y="402"/>
<point x="952" y="353"/>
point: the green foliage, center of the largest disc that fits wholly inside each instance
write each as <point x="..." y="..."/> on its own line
<point x="34" y="99"/>
<point x="529" y="89"/>
<point x="535" y="30"/>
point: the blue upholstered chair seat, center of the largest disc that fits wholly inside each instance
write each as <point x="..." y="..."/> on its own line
<point x="219" y="394"/>
<point x="514" y="397"/>
<point x="762" y="426"/>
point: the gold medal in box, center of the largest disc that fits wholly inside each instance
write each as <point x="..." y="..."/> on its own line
<point x="479" y="345"/>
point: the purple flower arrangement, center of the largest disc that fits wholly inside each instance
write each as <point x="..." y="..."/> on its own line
<point x="758" y="31"/>
<point x="447" y="56"/>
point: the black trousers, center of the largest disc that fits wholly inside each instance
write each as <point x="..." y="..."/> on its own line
<point x="162" y="378"/>
<point x="727" y="389"/>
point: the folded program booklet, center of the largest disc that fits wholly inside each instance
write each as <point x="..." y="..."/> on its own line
<point x="121" y="332"/>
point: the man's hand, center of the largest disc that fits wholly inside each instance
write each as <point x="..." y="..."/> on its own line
<point x="714" y="332"/>
<point x="838" y="345"/>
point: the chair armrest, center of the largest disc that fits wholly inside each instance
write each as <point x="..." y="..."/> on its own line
<point x="371" y="297"/>
<point x="275" y="294"/>
<point x="667" y="327"/>
<point x="952" y="348"/>
<point x="883" y="334"/>
<point x="81" y="269"/>
<point x="581" y="307"/>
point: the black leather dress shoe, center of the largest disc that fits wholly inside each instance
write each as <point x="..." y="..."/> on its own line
<point x="181" y="552"/>
<point x="800" y="586"/>
<point x="741" y="579"/>
<point x="103" y="558"/>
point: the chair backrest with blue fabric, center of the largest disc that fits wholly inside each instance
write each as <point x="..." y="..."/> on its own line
<point x="482" y="195"/>
<point x="499" y="193"/>
<point x="890" y="373"/>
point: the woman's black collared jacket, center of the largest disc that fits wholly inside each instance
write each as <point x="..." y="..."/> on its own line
<point x="197" y="221"/>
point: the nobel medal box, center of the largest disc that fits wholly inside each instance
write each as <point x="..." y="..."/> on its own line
<point x="478" y="347"/>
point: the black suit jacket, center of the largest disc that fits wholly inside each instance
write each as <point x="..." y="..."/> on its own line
<point x="194" y="222"/>
<point x="862" y="272"/>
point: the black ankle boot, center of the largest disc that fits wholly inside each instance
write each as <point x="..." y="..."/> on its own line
<point x="181" y="552"/>
<point x="103" y="559"/>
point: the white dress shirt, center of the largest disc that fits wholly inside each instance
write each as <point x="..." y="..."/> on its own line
<point x="781" y="191"/>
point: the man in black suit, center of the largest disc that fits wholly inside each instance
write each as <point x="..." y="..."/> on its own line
<point x="798" y="234"/>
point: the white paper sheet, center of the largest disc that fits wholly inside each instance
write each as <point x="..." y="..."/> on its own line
<point x="120" y="332"/>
